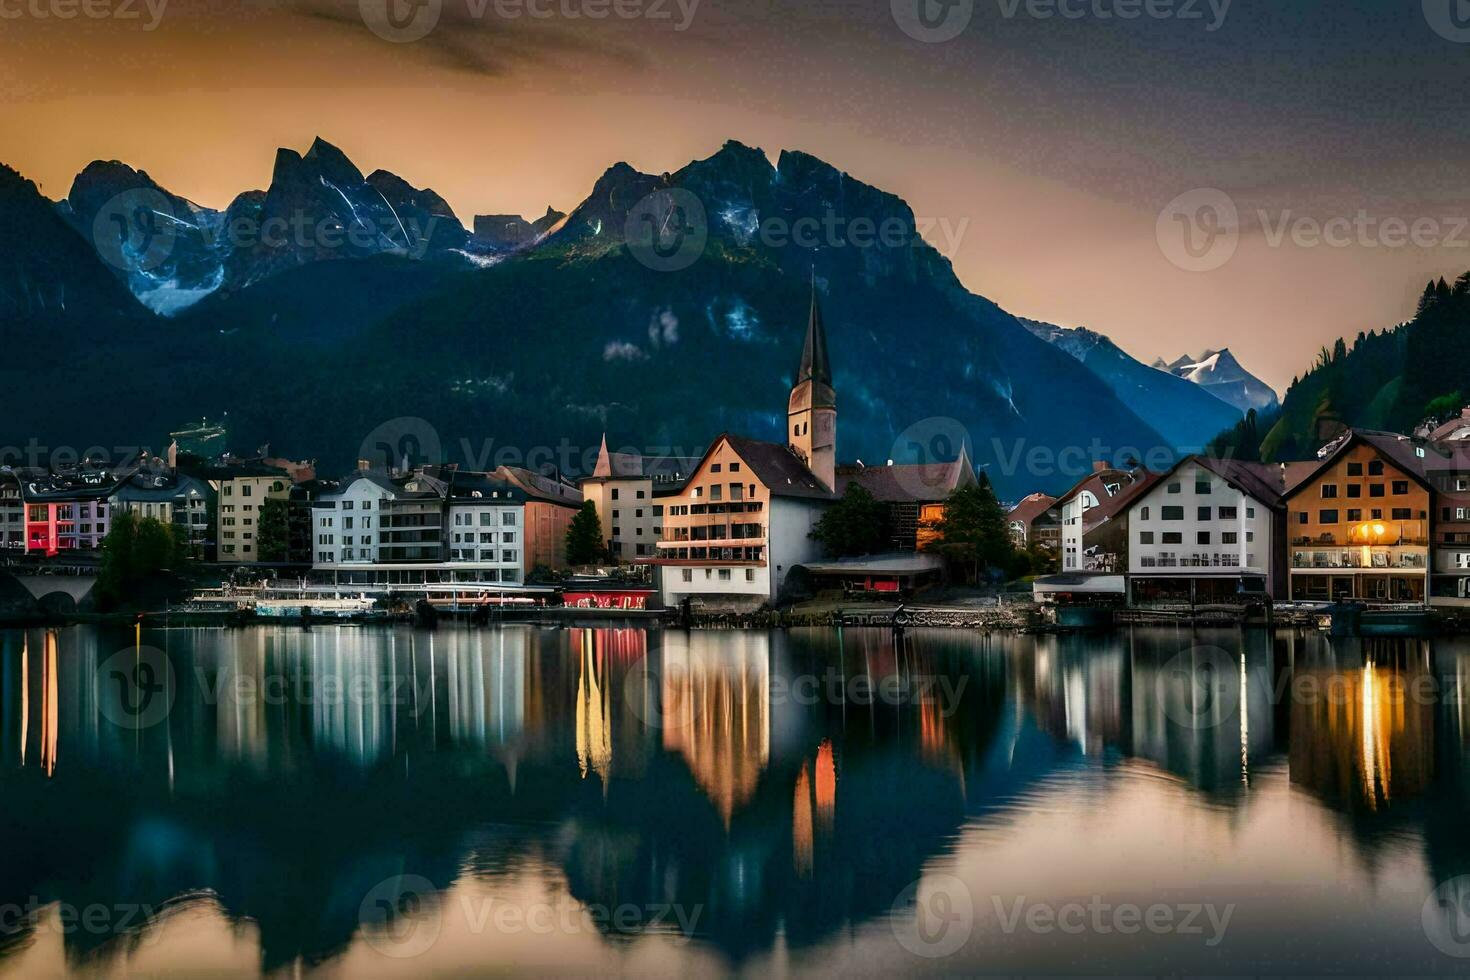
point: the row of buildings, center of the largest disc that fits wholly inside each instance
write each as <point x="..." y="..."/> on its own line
<point x="1378" y="517"/>
<point x="433" y="524"/>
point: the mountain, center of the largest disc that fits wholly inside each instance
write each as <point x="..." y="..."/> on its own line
<point x="1185" y="414"/>
<point x="166" y="249"/>
<point x="662" y="310"/>
<point x="1219" y="373"/>
<point x="172" y="253"/>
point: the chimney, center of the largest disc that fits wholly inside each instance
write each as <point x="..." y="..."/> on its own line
<point x="363" y="464"/>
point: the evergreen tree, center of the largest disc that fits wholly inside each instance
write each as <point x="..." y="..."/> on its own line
<point x="584" y="537"/>
<point x="272" y="532"/>
<point x="974" y="531"/>
<point x="858" y="524"/>
<point x="135" y="555"/>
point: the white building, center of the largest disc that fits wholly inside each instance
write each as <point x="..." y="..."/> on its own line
<point x="1207" y="530"/>
<point x="425" y="528"/>
<point x="485" y="530"/>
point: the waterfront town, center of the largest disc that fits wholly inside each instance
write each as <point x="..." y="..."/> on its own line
<point x="1379" y="520"/>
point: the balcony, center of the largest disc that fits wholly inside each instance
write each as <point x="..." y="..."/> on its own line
<point x="1354" y="558"/>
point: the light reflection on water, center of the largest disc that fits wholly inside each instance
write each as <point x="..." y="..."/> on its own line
<point x="595" y="800"/>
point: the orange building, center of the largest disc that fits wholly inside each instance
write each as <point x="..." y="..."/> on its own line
<point x="1358" y="526"/>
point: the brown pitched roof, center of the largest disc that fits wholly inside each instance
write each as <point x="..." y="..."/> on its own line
<point x="780" y="469"/>
<point x="1400" y="450"/>
<point x="1107" y="506"/>
<point x="910" y="482"/>
<point x="1031" y="508"/>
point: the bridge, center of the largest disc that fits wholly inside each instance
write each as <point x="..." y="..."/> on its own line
<point x="56" y="586"/>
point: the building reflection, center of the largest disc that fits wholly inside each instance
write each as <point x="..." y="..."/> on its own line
<point x="767" y="776"/>
<point x="1362" y="721"/>
<point x="715" y="700"/>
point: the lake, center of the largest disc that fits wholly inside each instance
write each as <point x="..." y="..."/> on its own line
<point x="380" y="801"/>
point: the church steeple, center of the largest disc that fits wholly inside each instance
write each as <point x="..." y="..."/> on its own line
<point x="812" y="411"/>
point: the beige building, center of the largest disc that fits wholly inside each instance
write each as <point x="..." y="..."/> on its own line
<point x="242" y="490"/>
<point x="623" y="486"/>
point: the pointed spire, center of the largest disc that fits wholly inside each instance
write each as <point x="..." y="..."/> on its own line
<point x="815" y="364"/>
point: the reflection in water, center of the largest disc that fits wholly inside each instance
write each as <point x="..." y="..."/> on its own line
<point x="716" y="701"/>
<point x="790" y="784"/>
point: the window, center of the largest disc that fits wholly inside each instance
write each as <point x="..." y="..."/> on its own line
<point x="724" y="575"/>
<point x="615" y="493"/>
<point x="1173" y="537"/>
<point x="1329" y="491"/>
<point x="749" y="572"/>
<point x="1176" y="488"/>
<point x="1228" y="513"/>
<point x="1202" y="537"/>
<point x="1355" y="489"/>
<point x="1375" y="468"/>
<point x="1377" y="514"/>
<point x="1145" y="537"/>
<point x="1173" y="513"/>
<point x="1402" y="514"/>
<point x="1204" y="513"/>
<point x="1230" y="537"/>
<point x="1375" y="490"/>
<point x="734" y="467"/>
<point x="1354" y="516"/>
<point x="1202" y="487"/>
<point x="1355" y="469"/>
<point x="1400" y="487"/>
<point x="688" y="575"/>
<point x="1143" y="514"/>
<point x="1250" y="537"/>
<point x="1327" y="517"/>
<point x="714" y="467"/>
<point x="508" y="519"/>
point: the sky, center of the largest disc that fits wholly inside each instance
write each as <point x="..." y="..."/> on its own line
<point x="1263" y="175"/>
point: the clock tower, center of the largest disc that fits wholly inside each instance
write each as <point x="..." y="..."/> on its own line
<point x="811" y="414"/>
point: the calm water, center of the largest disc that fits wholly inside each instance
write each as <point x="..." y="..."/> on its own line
<point x="386" y="802"/>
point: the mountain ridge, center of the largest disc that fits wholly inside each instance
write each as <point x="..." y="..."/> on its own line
<point x="588" y="328"/>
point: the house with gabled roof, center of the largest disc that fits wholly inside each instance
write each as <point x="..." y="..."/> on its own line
<point x="1359" y="522"/>
<point x="1208" y="530"/>
<point x="743" y="520"/>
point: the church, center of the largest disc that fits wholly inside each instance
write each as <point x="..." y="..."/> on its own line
<point x="743" y="521"/>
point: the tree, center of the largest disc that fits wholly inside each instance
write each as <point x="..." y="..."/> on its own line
<point x="135" y="555"/>
<point x="273" y="533"/>
<point x="584" y="537"/>
<point x="974" y="531"/>
<point x="858" y="524"/>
